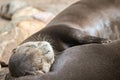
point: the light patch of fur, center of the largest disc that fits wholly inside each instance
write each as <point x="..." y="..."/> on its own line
<point x="42" y="56"/>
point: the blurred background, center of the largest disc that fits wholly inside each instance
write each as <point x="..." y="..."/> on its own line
<point x="54" y="6"/>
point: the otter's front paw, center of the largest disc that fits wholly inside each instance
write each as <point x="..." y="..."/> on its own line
<point x="106" y="41"/>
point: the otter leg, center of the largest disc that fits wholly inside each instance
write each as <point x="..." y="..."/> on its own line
<point x="92" y="39"/>
<point x="73" y="37"/>
<point x="67" y="37"/>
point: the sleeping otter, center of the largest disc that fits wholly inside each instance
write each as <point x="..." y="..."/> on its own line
<point x="85" y="62"/>
<point x="87" y="21"/>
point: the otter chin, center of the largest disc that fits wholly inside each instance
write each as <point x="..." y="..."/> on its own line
<point x="31" y="58"/>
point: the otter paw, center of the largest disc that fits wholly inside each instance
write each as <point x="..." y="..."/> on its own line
<point x="106" y="41"/>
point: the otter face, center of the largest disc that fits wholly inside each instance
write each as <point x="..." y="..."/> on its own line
<point x="31" y="58"/>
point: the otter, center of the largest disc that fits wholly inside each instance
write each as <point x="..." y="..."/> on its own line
<point x="84" y="62"/>
<point x="84" y="22"/>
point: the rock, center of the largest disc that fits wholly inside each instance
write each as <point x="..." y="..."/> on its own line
<point x="8" y="41"/>
<point x="8" y="9"/>
<point x="46" y="17"/>
<point x="28" y="26"/>
<point x="34" y="13"/>
<point x="19" y="8"/>
<point x="25" y="22"/>
<point x="13" y="34"/>
<point x="26" y="11"/>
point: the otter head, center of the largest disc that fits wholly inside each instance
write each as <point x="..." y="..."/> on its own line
<point x="31" y="58"/>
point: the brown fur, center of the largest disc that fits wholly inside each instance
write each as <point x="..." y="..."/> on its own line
<point x="82" y="23"/>
<point x="87" y="62"/>
<point x="87" y="21"/>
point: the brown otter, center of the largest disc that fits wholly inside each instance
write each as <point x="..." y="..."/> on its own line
<point x="31" y="58"/>
<point x="85" y="62"/>
<point x="87" y="21"/>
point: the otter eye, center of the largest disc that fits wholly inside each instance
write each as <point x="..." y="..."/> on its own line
<point x="14" y="50"/>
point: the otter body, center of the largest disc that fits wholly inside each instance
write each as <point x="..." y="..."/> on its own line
<point x="86" y="62"/>
<point x="87" y="21"/>
<point x="81" y="23"/>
